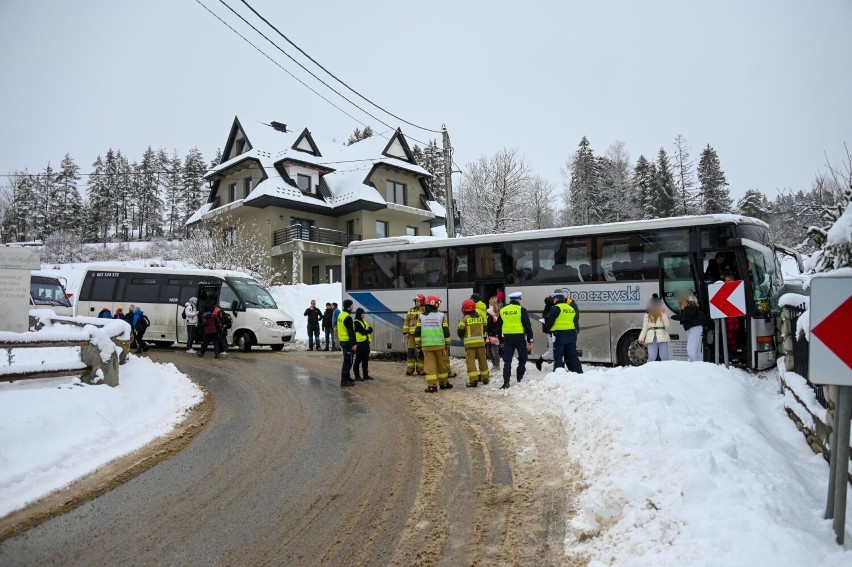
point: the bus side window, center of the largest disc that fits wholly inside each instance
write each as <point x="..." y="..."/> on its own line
<point x="103" y="289"/>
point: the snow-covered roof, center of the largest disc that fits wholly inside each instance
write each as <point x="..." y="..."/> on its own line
<point x="347" y="167"/>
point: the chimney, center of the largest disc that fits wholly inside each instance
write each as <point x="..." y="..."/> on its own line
<point x="278" y="126"/>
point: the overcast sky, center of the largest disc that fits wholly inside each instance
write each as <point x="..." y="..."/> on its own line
<point x="767" y="84"/>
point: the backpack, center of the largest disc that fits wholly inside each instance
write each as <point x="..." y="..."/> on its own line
<point x="142" y="324"/>
<point x="183" y="314"/>
<point x="226" y="321"/>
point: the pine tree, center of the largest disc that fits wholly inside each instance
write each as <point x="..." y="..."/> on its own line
<point x="99" y="202"/>
<point x="662" y="195"/>
<point x="617" y="184"/>
<point x="433" y="162"/>
<point x="582" y="181"/>
<point x="834" y="237"/>
<point x="683" y="177"/>
<point x="47" y="208"/>
<point x="359" y="135"/>
<point x="643" y="180"/>
<point x="754" y="204"/>
<point x="172" y="190"/>
<point x="193" y="188"/>
<point x="217" y="158"/>
<point x="714" y="193"/>
<point x="147" y="206"/>
<point x="72" y="219"/>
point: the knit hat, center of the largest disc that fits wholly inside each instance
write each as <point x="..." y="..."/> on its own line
<point x="359" y="311"/>
<point x="347" y="303"/>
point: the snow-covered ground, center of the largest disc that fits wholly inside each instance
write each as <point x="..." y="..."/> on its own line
<point x="54" y="431"/>
<point x="687" y="464"/>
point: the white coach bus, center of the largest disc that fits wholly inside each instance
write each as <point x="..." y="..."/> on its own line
<point x="610" y="270"/>
<point x="162" y="294"/>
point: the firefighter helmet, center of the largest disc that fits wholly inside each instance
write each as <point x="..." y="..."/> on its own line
<point x="468" y="305"/>
<point x="433" y="301"/>
<point x="420" y="297"/>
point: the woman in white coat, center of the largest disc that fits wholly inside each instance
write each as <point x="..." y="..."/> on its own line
<point x="655" y="330"/>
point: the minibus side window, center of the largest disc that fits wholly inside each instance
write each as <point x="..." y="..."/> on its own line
<point x="103" y="289"/>
<point x="226" y="297"/>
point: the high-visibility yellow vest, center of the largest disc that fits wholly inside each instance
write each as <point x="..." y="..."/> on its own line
<point x="482" y="309"/>
<point x="360" y="324"/>
<point x="342" y="333"/>
<point x="431" y="329"/>
<point x="565" y="320"/>
<point x="474" y="330"/>
<point x="511" y="316"/>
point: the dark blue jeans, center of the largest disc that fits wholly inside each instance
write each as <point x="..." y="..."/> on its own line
<point x="512" y="343"/>
<point x="329" y="338"/>
<point x="313" y="336"/>
<point x="565" y="349"/>
<point x="347" y="360"/>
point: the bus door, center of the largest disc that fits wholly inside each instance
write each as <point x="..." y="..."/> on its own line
<point x="487" y="289"/>
<point x="678" y="278"/>
<point x="208" y="296"/>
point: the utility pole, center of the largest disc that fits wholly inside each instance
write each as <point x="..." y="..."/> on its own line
<point x="448" y="183"/>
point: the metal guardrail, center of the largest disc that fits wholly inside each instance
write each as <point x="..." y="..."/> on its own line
<point x="313" y="234"/>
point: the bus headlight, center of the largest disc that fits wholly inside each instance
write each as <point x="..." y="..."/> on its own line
<point x="268" y="322"/>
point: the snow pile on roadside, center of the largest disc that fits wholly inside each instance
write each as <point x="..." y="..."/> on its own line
<point x="55" y="431"/>
<point x="688" y="464"/>
<point x="295" y="299"/>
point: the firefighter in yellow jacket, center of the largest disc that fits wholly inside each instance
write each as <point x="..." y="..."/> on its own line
<point x="472" y="332"/>
<point x="432" y="334"/>
<point x="414" y="361"/>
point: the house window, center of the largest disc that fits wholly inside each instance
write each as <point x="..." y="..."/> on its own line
<point x="246" y="186"/>
<point x="231" y="236"/>
<point x="240" y="145"/>
<point x="350" y="227"/>
<point x="301" y="228"/>
<point x="232" y="192"/>
<point x="314" y="275"/>
<point x="396" y="192"/>
<point x="304" y="182"/>
<point x="381" y="229"/>
<point x="411" y="231"/>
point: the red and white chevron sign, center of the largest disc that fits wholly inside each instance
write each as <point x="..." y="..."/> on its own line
<point x="829" y="345"/>
<point x="727" y="299"/>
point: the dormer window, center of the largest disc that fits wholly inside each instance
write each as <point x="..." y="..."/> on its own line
<point x="239" y="146"/>
<point x="396" y="193"/>
<point x="304" y="182"/>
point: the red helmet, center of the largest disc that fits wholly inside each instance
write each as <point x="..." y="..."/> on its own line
<point x="433" y="300"/>
<point x="420" y="297"/>
<point x="468" y="305"/>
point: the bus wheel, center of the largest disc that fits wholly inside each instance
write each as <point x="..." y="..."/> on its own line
<point x="629" y="352"/>
<point x="277" y="347"/>
<point x="244" y="341"/>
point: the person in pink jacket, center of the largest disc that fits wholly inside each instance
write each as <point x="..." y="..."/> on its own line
<point x="655" y="330"/>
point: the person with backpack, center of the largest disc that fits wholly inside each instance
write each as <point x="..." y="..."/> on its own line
<point x="210" y="326"/>
<point x="139" y="326"/>
<point x="190" y="315"/>
<point x="105" y="313"/>
<point x="693" y="321"/>
<point x="223" y="323"/>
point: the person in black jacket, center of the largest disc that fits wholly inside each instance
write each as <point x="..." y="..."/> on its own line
<point x="328" y="326"/>
<point x="363" y="330"/>
<point x="513" y="328"/>
<point x="314" y="316"/>
<point x="693" y="320"/>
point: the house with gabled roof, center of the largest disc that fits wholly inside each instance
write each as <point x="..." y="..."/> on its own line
<point x="311" y="200"/>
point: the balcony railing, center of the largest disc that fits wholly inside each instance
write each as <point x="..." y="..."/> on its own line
<point x="313" y="234"/>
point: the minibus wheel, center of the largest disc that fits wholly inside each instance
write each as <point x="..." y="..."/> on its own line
<point x="244" y="341"/>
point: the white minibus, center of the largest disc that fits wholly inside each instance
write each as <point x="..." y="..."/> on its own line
<point x="163" y="292"/>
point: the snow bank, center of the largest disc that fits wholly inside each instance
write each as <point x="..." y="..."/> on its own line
<point x="688" y="464"/>
<point x="55" y="431"/>
<point x="295" y="299"/>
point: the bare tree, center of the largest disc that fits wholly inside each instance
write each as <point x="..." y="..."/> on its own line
<point x="232" y="245"/>
<point x="493" y="194"/>
<point x="542" y="208"/>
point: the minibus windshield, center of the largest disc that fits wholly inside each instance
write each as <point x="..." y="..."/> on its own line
<point x="47" y="291"/>
<point x="252" y="294"/>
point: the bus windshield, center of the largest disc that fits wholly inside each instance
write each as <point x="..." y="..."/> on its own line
<point x="47" y="291"/>
<point x="252" y="294"/>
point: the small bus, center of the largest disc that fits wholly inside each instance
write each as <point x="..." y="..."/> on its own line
<point x="162" y="294"/>
<point x="610" y="270"/>
<point x="49" y="292"/>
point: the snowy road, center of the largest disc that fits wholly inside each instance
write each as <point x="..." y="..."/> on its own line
<point x="293" y="470"/>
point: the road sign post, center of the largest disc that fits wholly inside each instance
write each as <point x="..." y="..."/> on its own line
<point x="727" y="299"/>
<point x="830" y="363"/>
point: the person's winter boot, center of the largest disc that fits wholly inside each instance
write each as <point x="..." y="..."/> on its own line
<point x="445" y="386"/>
<point x="367" y="377"/>
<point x="538" y="363"/>
<point x="430" y="389"/>
<point x="345" y="383"/>
<point x="409" y="372"/>
<point x="473" y="384"/>
<point x="358" y="378"/>
<point x="505" y="386"/>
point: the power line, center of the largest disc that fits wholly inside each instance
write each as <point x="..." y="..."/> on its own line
<point x="311" y="73"/>
<point x="278" y="64"/>
<point x="317" y="63"/>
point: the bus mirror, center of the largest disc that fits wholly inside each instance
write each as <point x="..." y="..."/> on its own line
<point x="734" y="243"/>
<point x="235" y="304"/>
